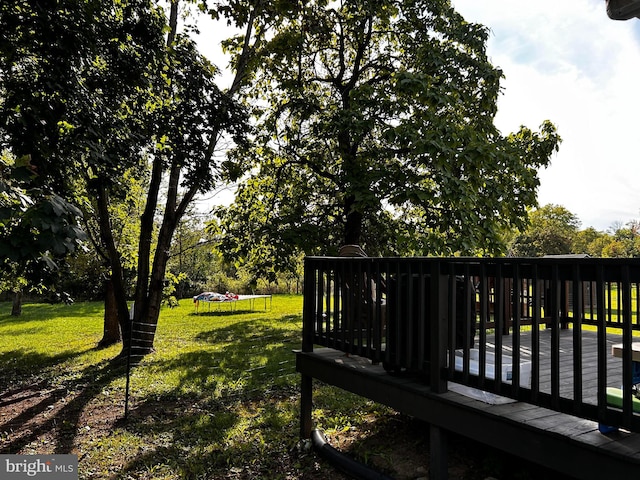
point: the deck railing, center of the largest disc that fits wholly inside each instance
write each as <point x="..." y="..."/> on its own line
<point x="470" y="320"/>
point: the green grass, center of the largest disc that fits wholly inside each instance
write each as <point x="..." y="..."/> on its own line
<point x="218" y="398"/>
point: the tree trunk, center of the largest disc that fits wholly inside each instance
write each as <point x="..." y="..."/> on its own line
<point x="147" y="307"/>
<point x="111" y="333"/>
<point x="117" y="276"/>
<point x="149" y="288"/>
<point x="16" y="309"/>
<point x="353" y="223"/>
<point x="140" y="332"/>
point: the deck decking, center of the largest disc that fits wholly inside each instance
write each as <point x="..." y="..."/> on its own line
<point x="568" y="444"/>
<point x="589" y="360"/>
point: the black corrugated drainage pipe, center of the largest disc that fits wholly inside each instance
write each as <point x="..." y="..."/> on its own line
<point x="343" y="463"/>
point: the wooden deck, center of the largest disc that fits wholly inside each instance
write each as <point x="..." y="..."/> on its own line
<point x="589" y="361"/>
<point x="570" y="445"/>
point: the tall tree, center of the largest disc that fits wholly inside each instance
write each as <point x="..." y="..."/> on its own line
<point x="95" y="90"/>
<point x="551" y="231"/>
<point x="38" y="229"/>
<point x="124" y="210"/>
<point x="192" y="121"/>
<point x="375" y="126"/>
<point x="624" y="241"/>
<point x="77" y="90"/>
<point x="590" y="241"/>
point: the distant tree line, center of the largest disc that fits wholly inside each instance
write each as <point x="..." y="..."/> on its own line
<point x="554" y="230"/>
<point x="196" y="262"/>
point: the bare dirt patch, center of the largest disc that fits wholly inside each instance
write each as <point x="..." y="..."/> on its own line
<point x="40" y="419"/>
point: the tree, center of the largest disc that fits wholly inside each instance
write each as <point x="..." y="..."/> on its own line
<point x="624" y="242"/>
<point x="551" y="231"/>
<point x="590" y="241"/>
<point x="121" y="98"/>
<point x="76" y="90"/>
<point x="375" y="126"/>
<point x="196" y="114"/>
<point x="38" y="228"/>
<point x="124" y="210"/>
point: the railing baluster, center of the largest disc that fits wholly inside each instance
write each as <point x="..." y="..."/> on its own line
<point x="350" y="310"/>
<point x="609" y="303"/>
<point x="577" y="337"/>
<point x="624" y="293"/>
<point x="393" y="353"/>
<point x="484" y="311"/>
<point x="601" y="293"/>
<point x="555" y="337"/>
<point x="333" y="323"/>
<point x="516" y="299"/>
<point x="376" y="331"/>
<point x="320" y="281"/>
<point x="469" y="310"/>
<point x="365" y="297"/>
<point x="452" y="311"/>
<point x="619" y="303"/>
<point x="408" y="321"/>
<point x="500" y="321"/>
<point x="538" y="286"/>
<point x="438" y="344"/>
<point x="323" y="325"/>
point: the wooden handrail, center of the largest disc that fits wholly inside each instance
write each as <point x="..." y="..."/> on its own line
<point x="411" y="314"/>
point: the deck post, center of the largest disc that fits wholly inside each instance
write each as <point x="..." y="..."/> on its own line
<point x="438" y="329"/>
<point x="438" y="465"/>
<point x="309" y="306"/>
<point x="308" y="321"/>
<point x="306" y="405"/>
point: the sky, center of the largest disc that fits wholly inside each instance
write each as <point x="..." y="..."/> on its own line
<point x="565" y="61"/>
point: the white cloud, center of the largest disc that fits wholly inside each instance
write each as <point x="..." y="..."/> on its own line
<point x="569" y="63"/>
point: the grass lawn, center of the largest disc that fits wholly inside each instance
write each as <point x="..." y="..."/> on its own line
<point x="218" y="399"/>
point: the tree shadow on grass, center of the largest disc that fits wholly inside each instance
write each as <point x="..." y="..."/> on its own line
<point x="183" y="434"/>
<point x="248" y="356"/>
<point x="48" y="411"/>
<point x="24" y="383"/>
<point x="232" y="410"/>
<point x="247" y="331"/>
<point x="23" y="367"/>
